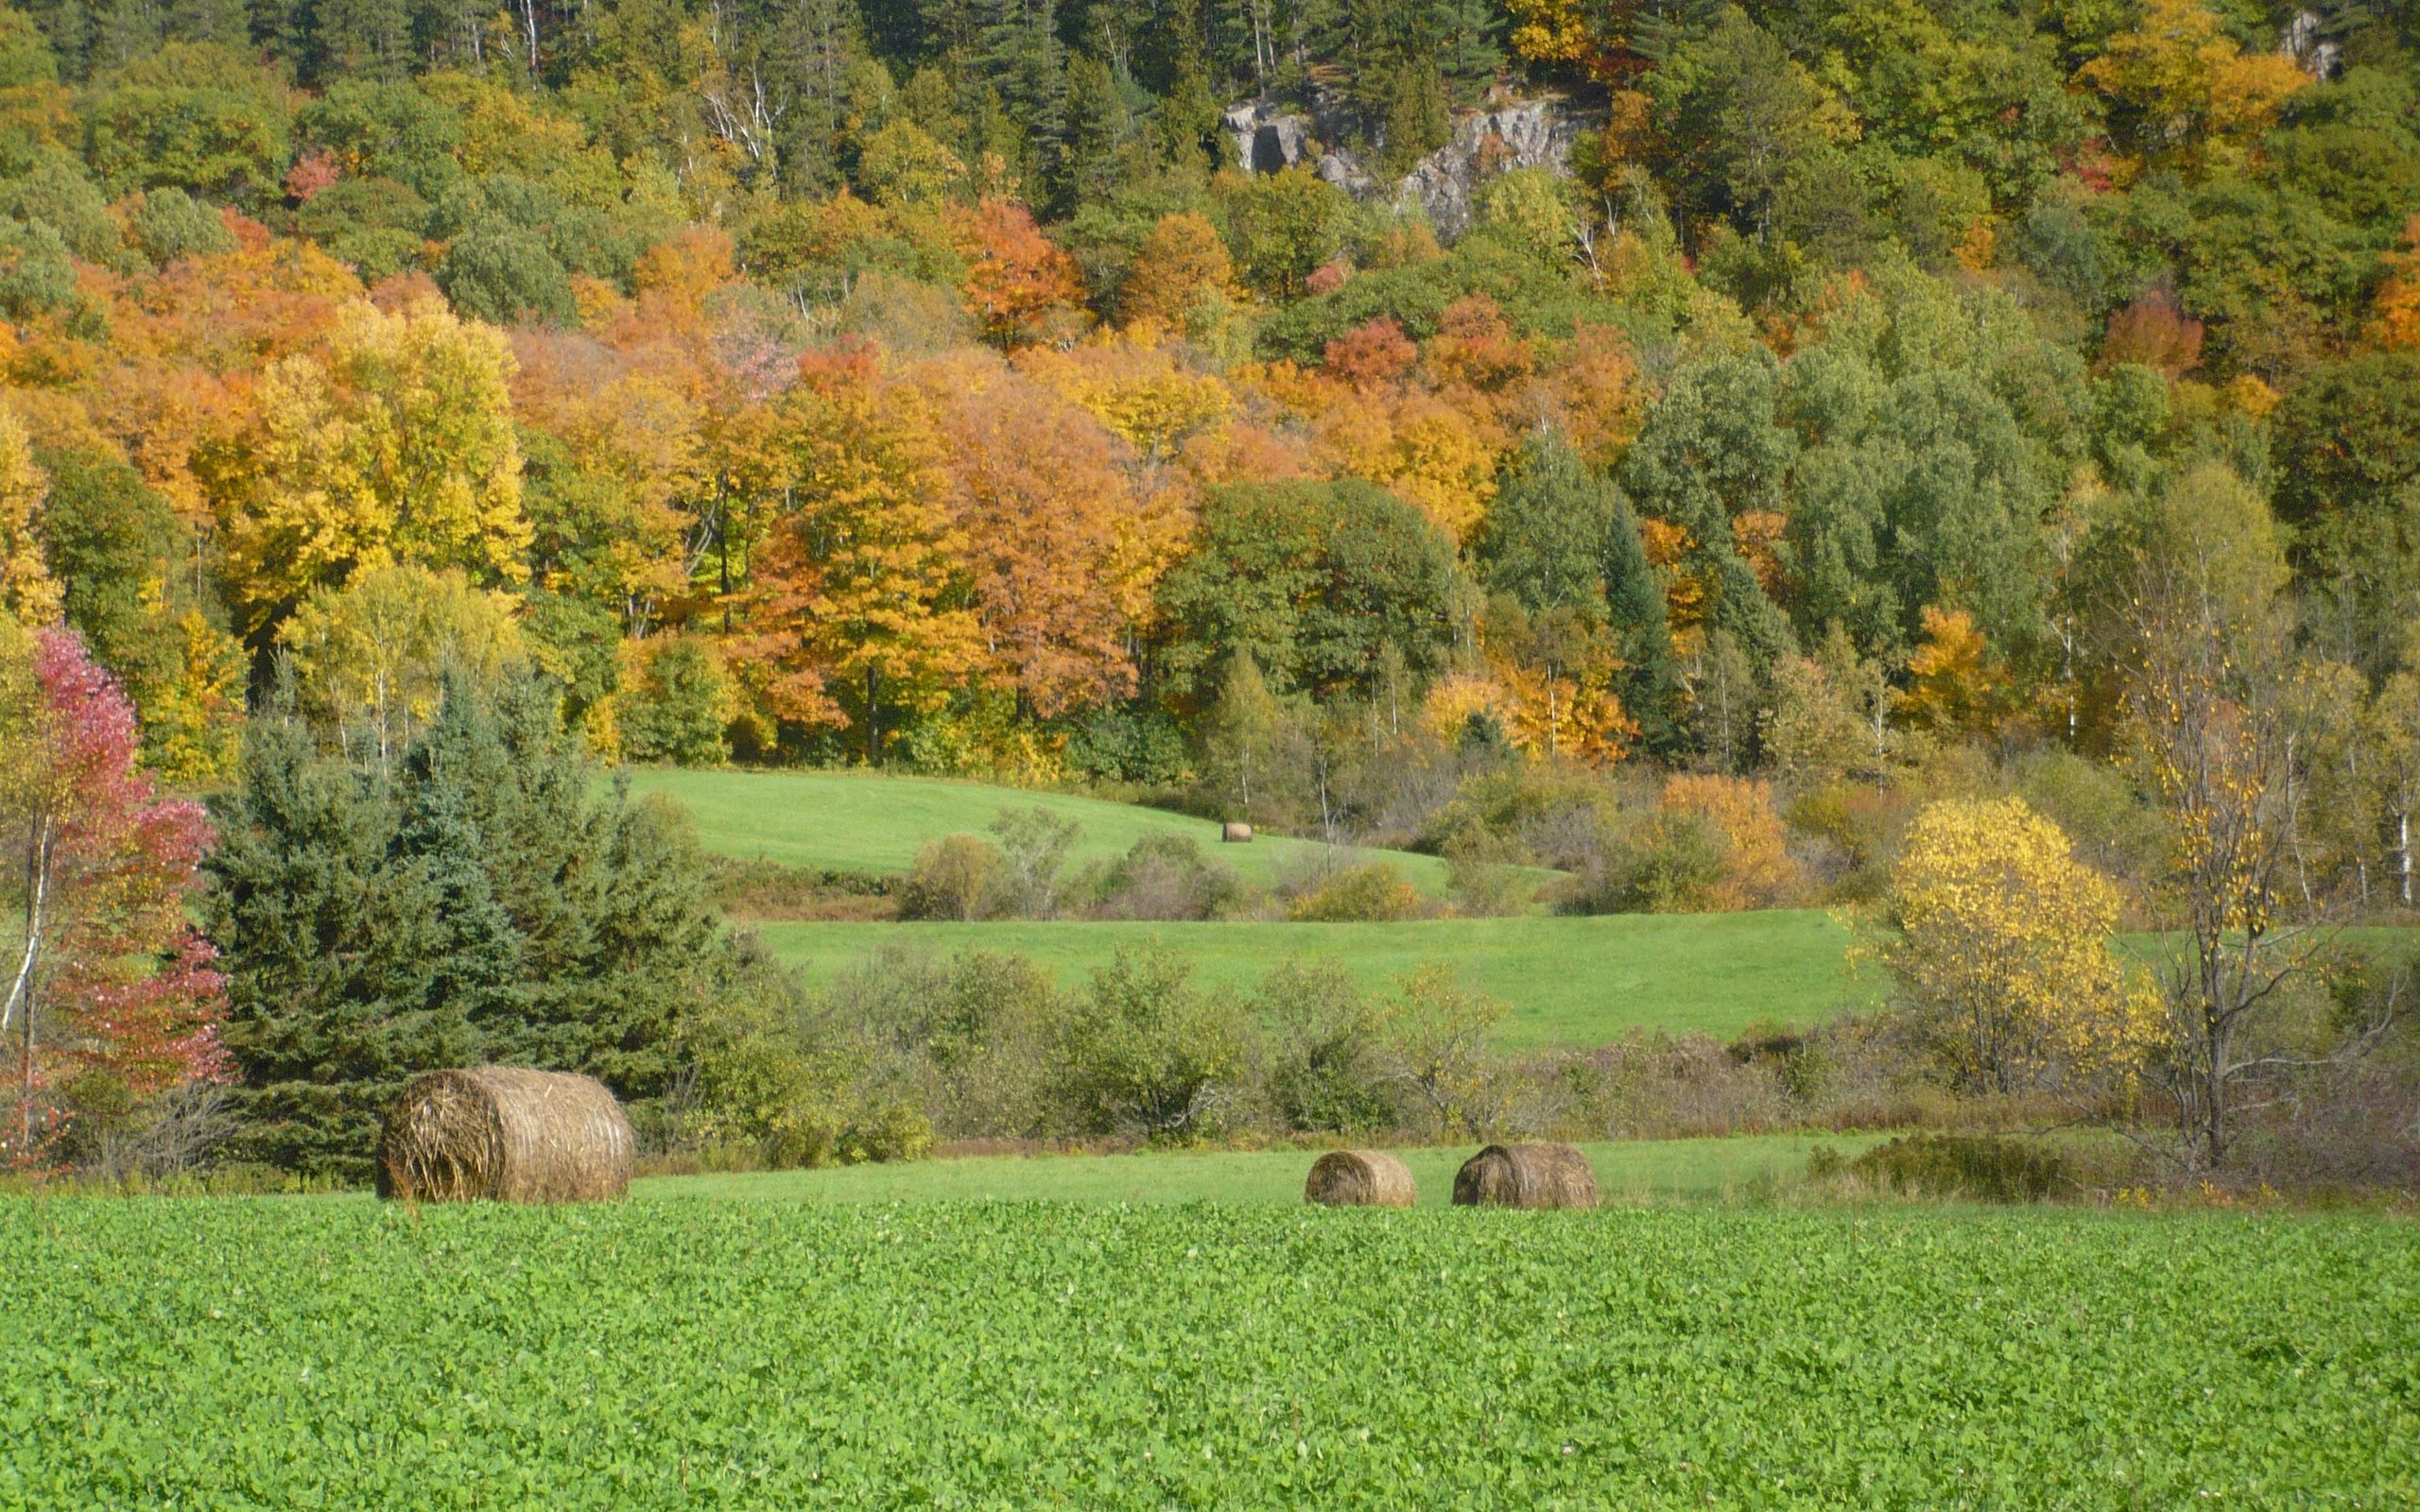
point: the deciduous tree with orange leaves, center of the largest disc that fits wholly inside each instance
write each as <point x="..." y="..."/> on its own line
<point x="1043" y="513"/>
<point x="859" y="606"/>
<point x="1022" y="285"/>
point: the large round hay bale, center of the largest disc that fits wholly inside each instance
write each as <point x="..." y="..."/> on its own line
<point x="1526" y="1176"/>
<point x="1359" y="1178"/>
<point x="1232" y="833"/>
<point x="504" y="1133"/>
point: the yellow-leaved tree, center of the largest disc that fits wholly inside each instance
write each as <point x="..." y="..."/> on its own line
<point x="371" y="658"/>
<point x="860" y="593"/>
<point x="392" y="444"/>
<point x="28" y="590"/>
<point x="2002" y="951"/>
<point x="2195" y="95"/>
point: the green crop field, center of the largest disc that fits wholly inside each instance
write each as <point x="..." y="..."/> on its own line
<point x="857" y="821"/>
<point x="1567" y="980"/>
<point x="311" y="1352"/>
<point x="1640" y="1170"/>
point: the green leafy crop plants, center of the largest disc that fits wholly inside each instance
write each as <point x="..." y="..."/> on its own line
<point x="329" y="1352"/>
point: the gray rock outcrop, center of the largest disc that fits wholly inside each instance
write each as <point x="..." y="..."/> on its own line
<point x="1446" y="184"/>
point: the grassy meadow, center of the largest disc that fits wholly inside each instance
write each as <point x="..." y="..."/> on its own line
<point x="866" y="823"/>
<point x="339" y="1352"/>
<point x="1567" y="980"/>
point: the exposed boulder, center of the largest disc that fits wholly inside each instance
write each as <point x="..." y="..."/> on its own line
<point x="1268" y="138"/>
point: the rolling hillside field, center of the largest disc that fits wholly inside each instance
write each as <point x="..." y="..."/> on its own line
<point x="863" y="822"/>
<point x="1567" y="980"/>
<point x="342" y="1352"/>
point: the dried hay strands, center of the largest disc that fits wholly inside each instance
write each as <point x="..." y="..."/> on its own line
<point x="1360" y="1179"/>
<point x="1234" y="833"/>
<point x="1526" y="1176"/>
<point x="504" y="1133"/>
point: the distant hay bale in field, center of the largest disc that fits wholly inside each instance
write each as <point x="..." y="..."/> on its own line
<point x="504" y="1133"/>
<point x="1232" y="833"/>
<point x="1526" y="1176"/>
<point x="1359" y="1178"/>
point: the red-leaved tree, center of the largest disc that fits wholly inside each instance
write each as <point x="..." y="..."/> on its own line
<point x="107" y="978"/>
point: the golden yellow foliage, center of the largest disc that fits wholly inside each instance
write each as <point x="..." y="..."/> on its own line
<point x="1141" y="393"/>
<point x="1668" y="548"/>
<point x="1757" y="872"/>
<point x="1953" y="685"/>
<point x="2002" y="949"/>
<point x="195" y="722"/>
<point x="1549" y="31"/>
<point x="1570" y="713"/>
<point x="1438" y="457"/>
<point x="393" y="444"/>
<point x="2396" y="324"/>
<point x="1456" y="697"/>
<point x="2197" y="89"/>
<point x="28" y="590"/>
<point x="1182" y="261"/>
<point x="372" y="656"/>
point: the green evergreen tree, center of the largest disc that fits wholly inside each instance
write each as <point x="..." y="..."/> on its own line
<point x="1100" y="129"/>
<point x="1650" y="684"/>
<point x="487" y="902"/>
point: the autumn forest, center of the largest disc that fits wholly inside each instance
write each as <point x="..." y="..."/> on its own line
<point x="1671" y="446"/>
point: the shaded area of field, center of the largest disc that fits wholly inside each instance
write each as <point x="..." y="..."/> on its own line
<point x="1567" y="980"/>
<point x="271" y="1353"/>
<point x="1629" y="1170"/>
<point x="856" y="821"/>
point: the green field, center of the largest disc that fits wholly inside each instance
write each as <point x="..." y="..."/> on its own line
<point x="858" y="822"/>
<point x="333" y="1352"/>
<point x="1568" y="981"/>
<point x="1628" y="1170"/>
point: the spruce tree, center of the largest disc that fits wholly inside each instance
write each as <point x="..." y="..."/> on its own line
<point x="1650" y="685"/>
<point x="486" y="903"/>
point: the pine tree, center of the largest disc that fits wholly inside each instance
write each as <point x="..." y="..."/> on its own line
<point x="486" y="903"/>
<point x="1099" y="129"/>
<point x="1650" y="682"/>
<point x="1189" y="115"/>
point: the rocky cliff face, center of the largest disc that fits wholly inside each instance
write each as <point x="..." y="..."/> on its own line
<point x="1523" y="134"/>
<point x="1532" y="134"/>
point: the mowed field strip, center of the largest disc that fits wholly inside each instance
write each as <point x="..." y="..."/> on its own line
<point x="858" y="822"/>
<point x="1626" y="1170"/>
<point x="339" y="1352"/>
<point x="1567" y="981"/>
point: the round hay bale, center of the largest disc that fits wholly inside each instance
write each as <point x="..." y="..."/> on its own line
<point x="504" y="1133"/>
<point x="1526" y="1176"/>
<point x="1232" y="833"/>
<point x="1359" y="1178"/>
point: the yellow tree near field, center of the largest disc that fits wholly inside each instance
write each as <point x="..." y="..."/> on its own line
<point x="2002" y="951"/>
<point x="394" y="443"/>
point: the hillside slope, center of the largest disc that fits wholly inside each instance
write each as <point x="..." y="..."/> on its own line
<point x="857" y="821"/>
